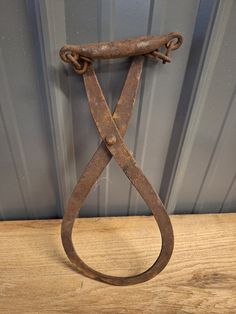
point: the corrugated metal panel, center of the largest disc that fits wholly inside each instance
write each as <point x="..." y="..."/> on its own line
<point x="182" y="129"/>
<point x="28" y="185"/>
<point x="205" y="177"/>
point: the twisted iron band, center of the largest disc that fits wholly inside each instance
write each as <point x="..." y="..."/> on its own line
<point x="112" y="128"/>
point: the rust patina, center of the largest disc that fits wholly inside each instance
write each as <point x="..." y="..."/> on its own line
<point x="112" y="128"/>
<point x="80" y="56"/>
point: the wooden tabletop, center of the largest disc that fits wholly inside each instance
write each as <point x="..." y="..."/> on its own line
<point x="36" y="276"/>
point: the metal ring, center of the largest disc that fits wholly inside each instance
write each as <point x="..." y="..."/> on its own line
<point x="178" y="43"/>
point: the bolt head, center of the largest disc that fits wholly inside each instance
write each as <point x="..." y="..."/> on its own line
<point x="111" y="139"/>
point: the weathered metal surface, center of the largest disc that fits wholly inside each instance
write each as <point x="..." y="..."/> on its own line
<point x="112" y="129"/>
<point x="81" y="56"/>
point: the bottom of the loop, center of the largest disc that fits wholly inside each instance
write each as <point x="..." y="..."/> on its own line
<point x="84" y="269"/>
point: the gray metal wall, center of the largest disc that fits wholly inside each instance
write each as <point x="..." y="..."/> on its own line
<point x="183" y="127"/>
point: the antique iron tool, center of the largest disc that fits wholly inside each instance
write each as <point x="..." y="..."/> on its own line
<point x="112" y="128"/>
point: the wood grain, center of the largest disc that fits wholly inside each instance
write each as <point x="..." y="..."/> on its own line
<point x="36" y="277"/>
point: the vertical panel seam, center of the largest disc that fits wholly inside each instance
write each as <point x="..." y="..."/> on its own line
<point x="17" y="153"/>
<point x="231" y="102"/>
<point x="38" y="11"/>
<point x="227" y="193"/>
<point x="218" y="29"/>
<point x="140" y="108"/>
<point x="174" y="164"/>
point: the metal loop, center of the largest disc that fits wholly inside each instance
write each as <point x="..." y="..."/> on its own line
<point x="74" y="60"/>
<point x="169" y="46"/>
<point x="158" y="55"/>
<point x="80" y="63"/>
<point x="177" y="41"/>
<point x="83" y="68"/>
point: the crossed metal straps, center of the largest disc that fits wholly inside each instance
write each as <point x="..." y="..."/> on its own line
<point x="112" y="128"/>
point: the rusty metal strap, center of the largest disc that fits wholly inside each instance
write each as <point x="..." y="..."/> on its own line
<point x="112" y="129"/>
